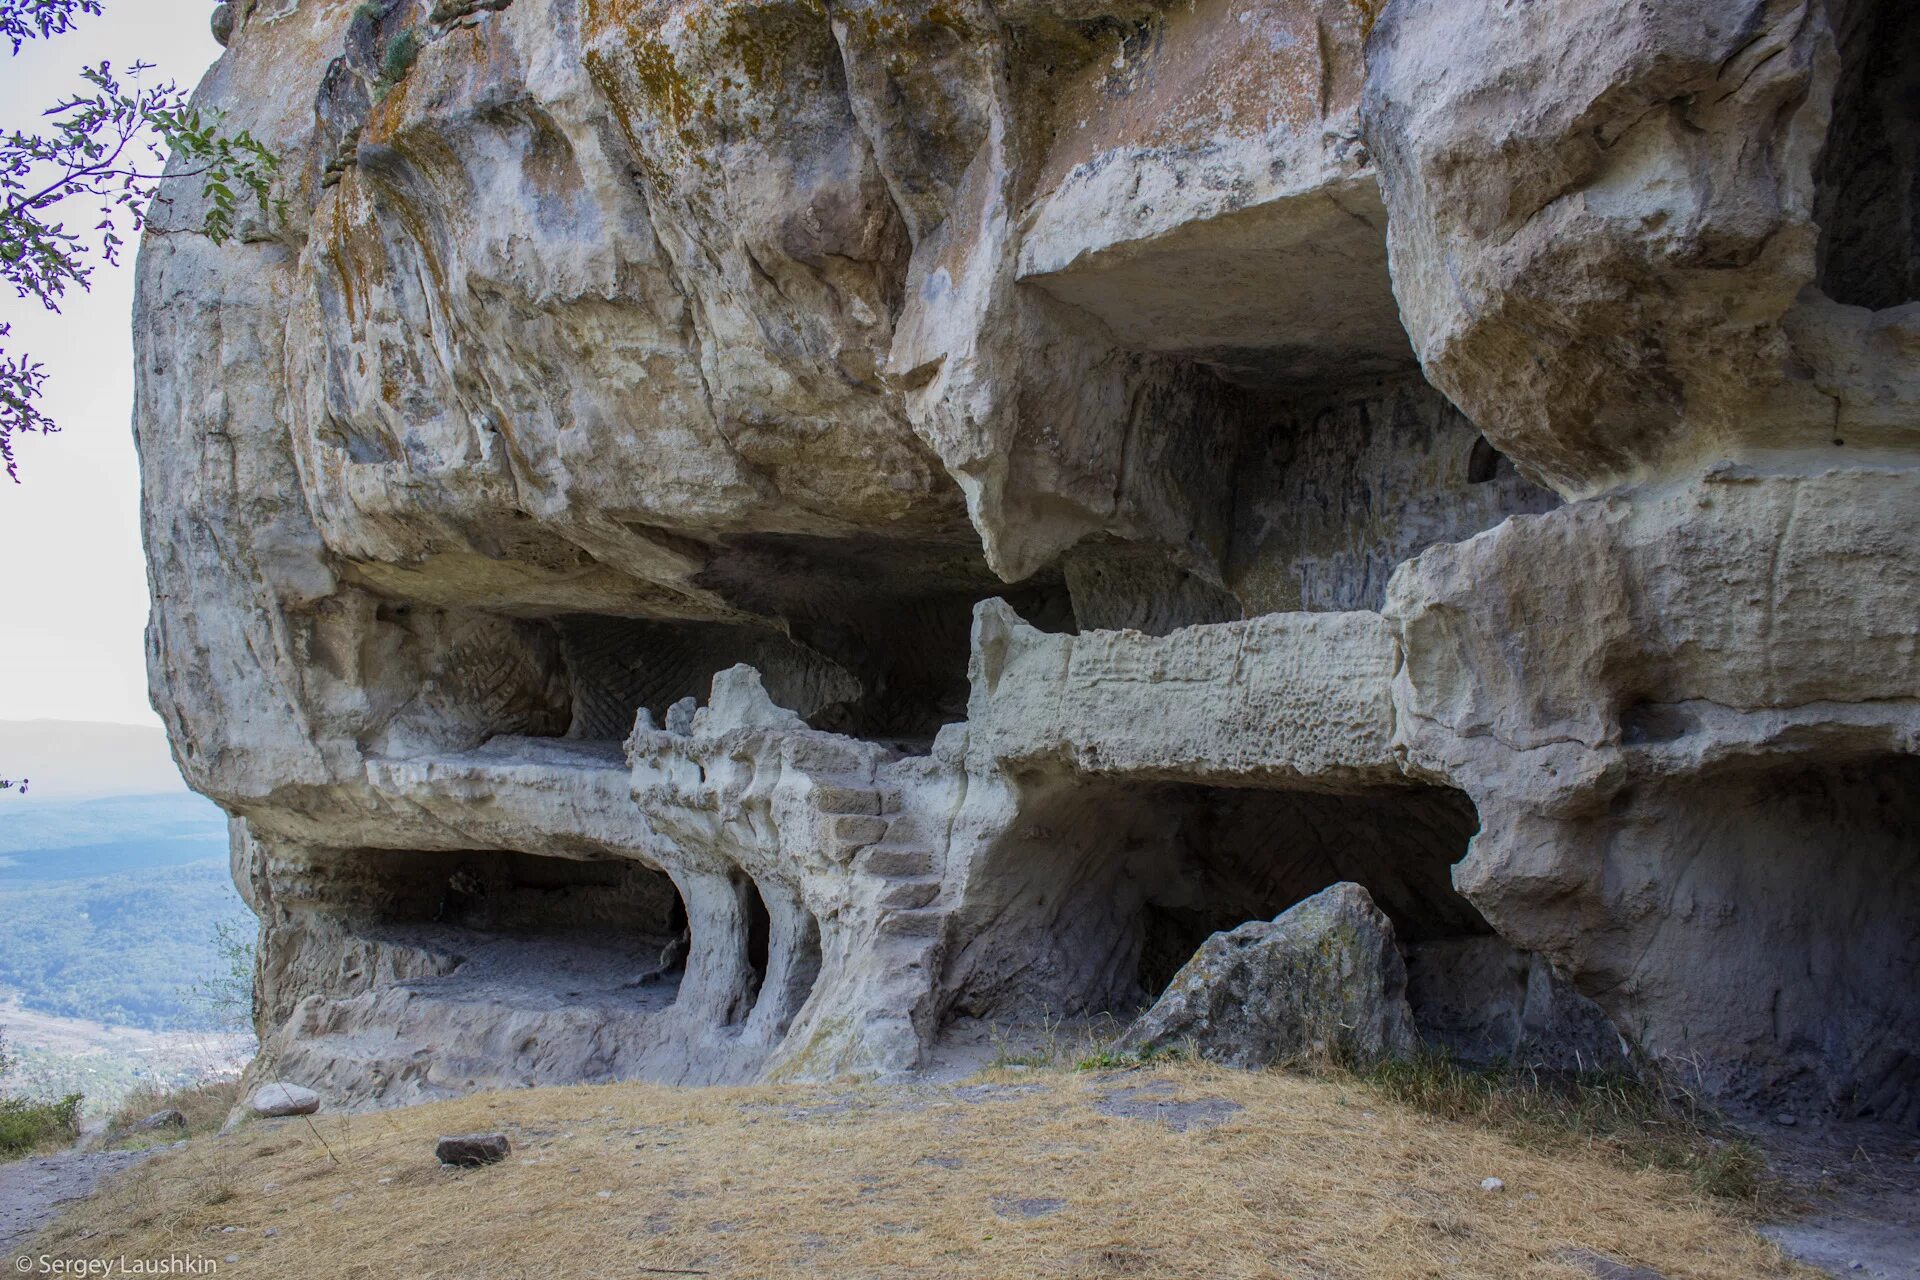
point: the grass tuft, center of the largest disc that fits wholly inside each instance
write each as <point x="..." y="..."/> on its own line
<point x="1644" y="1123"/>
<point x="1055" y="1043"/>
<point x="205" y="1106"/>
<point x="1110" y="1059"/>
<point x="399" y="58"/>
<point x="1107" y="1060"/>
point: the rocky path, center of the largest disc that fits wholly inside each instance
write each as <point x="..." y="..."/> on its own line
<point x="1861" y="1184"/>
<point x="31" y="1190"/>
<point x="1876" y="1236"/>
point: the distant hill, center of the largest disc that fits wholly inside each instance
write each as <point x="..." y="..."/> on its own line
<point x="72" y="759"/>
<point x="113" y="877"/>
<point x="62" y="839"/>
<point x="124" y="949"/>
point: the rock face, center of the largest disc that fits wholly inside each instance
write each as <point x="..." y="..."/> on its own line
<point x="1322" y="980"/>
<point x="1482" y="1001"/>
<point x="718" y="541"/>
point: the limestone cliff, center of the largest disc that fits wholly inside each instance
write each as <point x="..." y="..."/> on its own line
<point x="930" y="510"/>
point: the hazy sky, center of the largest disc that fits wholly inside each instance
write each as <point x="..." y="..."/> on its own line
<point x="73" y="590"/>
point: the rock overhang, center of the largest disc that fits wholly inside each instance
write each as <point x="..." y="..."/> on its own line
<point x="598" y="359"/>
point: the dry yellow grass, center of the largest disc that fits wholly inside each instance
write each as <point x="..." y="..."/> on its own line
<point x="204" y="1106"/>
<point x="1313" y="1178"/>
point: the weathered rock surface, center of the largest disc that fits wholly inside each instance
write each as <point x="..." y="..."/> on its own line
<point x="1321" y="980"/>
<point x="283" y="1100"/>
<point x="716" y="541"/>
<point x="1482" y="1001"/>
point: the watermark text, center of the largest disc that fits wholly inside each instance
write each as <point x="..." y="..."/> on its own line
<point x="173" y="1264"/>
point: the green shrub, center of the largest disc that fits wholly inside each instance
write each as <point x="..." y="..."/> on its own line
<point x="27" y="1126"/>
<point x="226" y="996"/>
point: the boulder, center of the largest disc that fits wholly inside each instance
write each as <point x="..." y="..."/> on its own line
<point x="168" y="1119"/>
<point x="1323" y="978"/>
<point x="471" y="1150"/>
<point x="283" y="1100"/>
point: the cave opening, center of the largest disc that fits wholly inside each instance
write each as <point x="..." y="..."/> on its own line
<point x="777" y="952"/>
<point x="1483" y="462"/>
<point x="1102" y="891"/>
<point x="1867" y="192"/>
<point x="493" y="924"/>
<point x="618" y="667"/>
<point x="759" y="936"/>
<point x="1337" y="487"/>
<point x="863" y="639"/>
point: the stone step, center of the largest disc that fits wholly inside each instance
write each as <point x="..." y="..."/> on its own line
<point x="908" y="894"/>
<point x="897" y="861"/>
<point x="848" y="799"/>
<point x="858" y="830"/>
<point x="923" y="922"/>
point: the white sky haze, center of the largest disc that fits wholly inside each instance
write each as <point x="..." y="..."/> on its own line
<point x="73" y="593"/>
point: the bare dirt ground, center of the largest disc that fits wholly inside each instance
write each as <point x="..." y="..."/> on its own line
<point x="1176" y="1171"/>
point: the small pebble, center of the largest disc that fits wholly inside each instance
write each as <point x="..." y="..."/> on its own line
<point x="232" y="1258"/>
<point x="1492" y="1184"/>
<point x="603" y="1195"/>
<point x="271" y="1231"/>
<point x="1786" y="1119"/>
